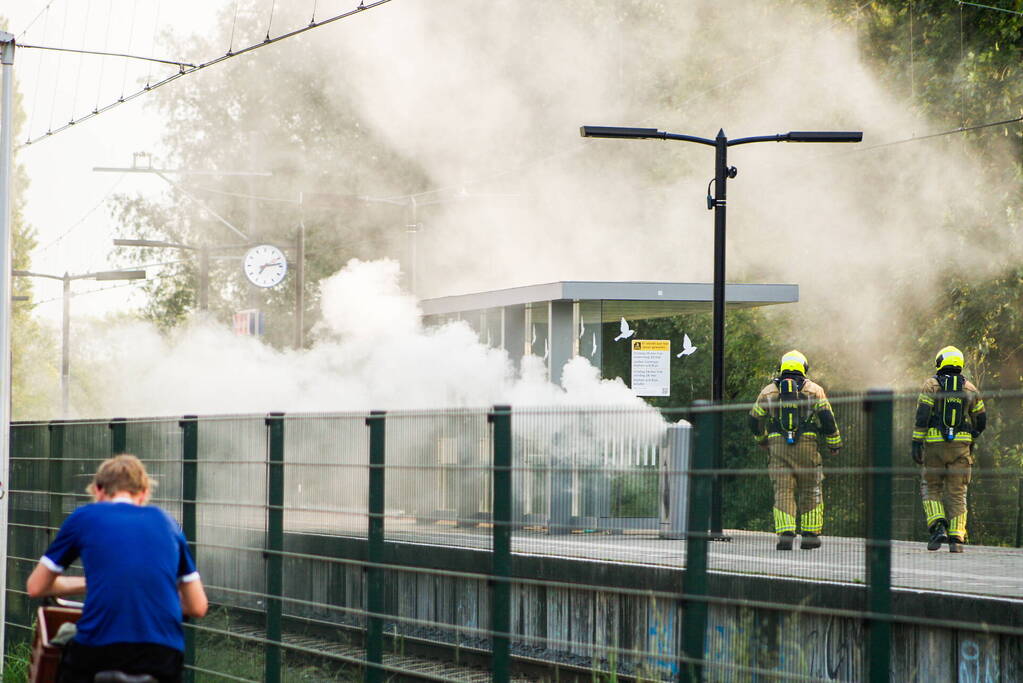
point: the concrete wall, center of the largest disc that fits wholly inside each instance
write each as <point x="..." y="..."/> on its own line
<point x="615" y="606"/>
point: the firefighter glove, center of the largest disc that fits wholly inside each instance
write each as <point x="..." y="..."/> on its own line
<point x="918" y="453"/>
<point x="835" y="449"/>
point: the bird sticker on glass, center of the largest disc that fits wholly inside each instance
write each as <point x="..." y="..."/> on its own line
<point x="651" y="369"/>
<point x="687" y="347"/>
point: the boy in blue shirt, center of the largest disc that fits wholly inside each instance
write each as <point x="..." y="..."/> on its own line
<point x="141" y="579"/>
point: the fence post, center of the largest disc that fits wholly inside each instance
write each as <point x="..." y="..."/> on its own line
<point x="879" y="405"/>
<point x="118" y="436"/>
<point x="1019" y="513"/>
<point x="500" y="580"/>
<point x="694" y="582"/>
<point x="274" y="545"/>
<point x="55" y="475"/>
<point x="189" y="493"/>
<point x="375" y="550"/>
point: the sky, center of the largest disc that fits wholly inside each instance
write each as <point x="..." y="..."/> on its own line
<point x="66" y="199"/>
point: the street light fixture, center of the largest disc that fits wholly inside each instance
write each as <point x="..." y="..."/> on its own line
<point x="722" y="171"/>
<point x="204" y="262"/>
<point x="65" y="358"/>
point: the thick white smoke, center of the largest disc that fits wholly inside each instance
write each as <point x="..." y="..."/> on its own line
<point x="372" y="352"/>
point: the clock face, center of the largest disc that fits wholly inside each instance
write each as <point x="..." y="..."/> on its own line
<point x="265" y="265"/>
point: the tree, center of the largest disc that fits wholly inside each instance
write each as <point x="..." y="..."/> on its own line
<point x="34" y="370"/>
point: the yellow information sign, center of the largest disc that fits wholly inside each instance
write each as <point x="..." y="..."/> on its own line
<point x="651" y="374"/>
<point x="651" y="345"/>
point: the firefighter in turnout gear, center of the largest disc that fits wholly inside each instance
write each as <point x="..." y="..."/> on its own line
<point x="787" y="419"/>
<point x="949" y="418"/>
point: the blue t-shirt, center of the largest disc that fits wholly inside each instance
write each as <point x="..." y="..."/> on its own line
<point x="134" y="558"/>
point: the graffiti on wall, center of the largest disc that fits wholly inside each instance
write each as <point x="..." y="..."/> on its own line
<point x="976" y="665"/>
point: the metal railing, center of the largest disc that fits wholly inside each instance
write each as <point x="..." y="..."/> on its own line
<point x="566" y="537"/>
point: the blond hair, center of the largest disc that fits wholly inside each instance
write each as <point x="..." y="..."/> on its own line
<point x="121" y="474"/>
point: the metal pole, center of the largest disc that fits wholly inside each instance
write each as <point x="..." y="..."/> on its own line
<point x="118" y="436"/>
<point x="275" y="547"/>
<point x="300" y="283"/>
<point x="879" y="527"/>
<point x="6" y="152"/>
<point x="204" y="278"/>
<point x="65" y="350"/>
<point x="500" y="587"/>
<point x="55" y="489"/>
<point x="1019" y="513"/>
<point x="694" y="581"/>
<point x="375" y="550"/>
<point x="717" y="382"/>
<point x="189" y="492"/>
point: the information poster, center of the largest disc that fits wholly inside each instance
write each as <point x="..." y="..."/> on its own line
<point x="651" y="369"/>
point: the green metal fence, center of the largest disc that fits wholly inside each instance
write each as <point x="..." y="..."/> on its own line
<point x="560" y="542"/>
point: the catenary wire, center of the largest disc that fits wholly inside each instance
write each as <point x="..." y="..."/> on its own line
<point x="39" y="68"/>
<point x="56" y="81"/>
<point x="961" y="129"/>
<point x="36" y="18"/>
<point x="234" y="22"/>
<point x="997" y="9"/>
<point x="133" y="283"/>
<point x="81" y="220"/>
<point x="152" y="42"/>
<point x="103" y="60"/>
<point x="269" y="23"/>
<point x="131" y="38"/>
<point x="81" y="57"/>
<point x="109" y="54"/>
<point x="184" y="71"/>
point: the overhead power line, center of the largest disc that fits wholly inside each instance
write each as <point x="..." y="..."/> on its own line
<point x="76" y="294"/>
<point x="997" y="9"/>
<point x="81" y="220"/>
<point x="109" y="54"/>
<point x="961" y="129"/>
<point x="35" y="18"/>
<point x="185" y="70"/>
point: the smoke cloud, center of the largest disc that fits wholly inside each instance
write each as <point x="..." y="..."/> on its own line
<point x="372" y="352"/>
<point x="490" y="101"/>
<point x="487" y="100"/>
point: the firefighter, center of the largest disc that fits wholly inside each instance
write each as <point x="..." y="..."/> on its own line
<point x="949" y="418"/>
<point x="787" y="418"/>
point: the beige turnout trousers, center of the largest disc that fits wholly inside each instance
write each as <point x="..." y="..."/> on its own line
<point x="796" y="474"/>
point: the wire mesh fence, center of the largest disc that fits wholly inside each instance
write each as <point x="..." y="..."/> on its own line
<point x="557" y="542"/>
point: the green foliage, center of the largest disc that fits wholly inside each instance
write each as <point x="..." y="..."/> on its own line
<point x="34" y="371"/>
<point x="16" y="663"/>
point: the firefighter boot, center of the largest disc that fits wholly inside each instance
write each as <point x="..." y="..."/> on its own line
<point x="810" y="541"/>
<point x="955" y="544"/>
<point x="785" y="540"/>
<point x="938" y="535"/>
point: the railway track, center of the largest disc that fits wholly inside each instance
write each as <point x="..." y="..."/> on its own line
<point x="423" y="658"/>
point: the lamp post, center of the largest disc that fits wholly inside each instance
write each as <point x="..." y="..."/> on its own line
<point x="65" y="357"/>
<point x="722" y="172"/>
